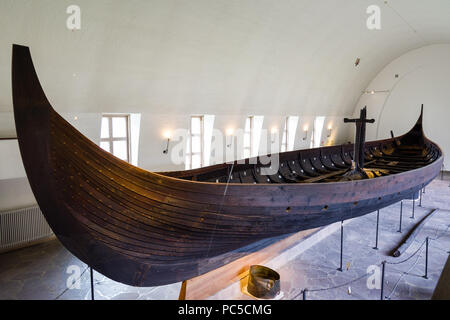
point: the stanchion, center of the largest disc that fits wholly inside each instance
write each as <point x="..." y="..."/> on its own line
<point x="376" y="237"/>
<point x="342" y="243"/>
<point x="92" y="283"/>
<point x="382" y="280"/>
<point x="426" y="259"/>
<point x="420" y="195"/>
<point x="401" y="215"/>
<point x="304" y="294"/>
<point x="414" y="204"/>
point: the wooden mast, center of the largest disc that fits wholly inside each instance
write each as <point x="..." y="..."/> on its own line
<point x="360" y="140"/>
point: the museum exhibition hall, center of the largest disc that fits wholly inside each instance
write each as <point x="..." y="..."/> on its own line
<point x="215" y="150"/>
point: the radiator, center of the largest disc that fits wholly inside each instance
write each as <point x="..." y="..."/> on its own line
<point x="21" y="227"/>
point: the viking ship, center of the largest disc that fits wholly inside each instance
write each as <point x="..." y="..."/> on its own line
<point x="147" y="229"/>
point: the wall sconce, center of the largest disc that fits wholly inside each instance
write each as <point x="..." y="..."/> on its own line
<point x="330" y="129"/>
<point x="167" y="135"/>
<point x="305" y="130"/>
<point x="273" y="132"/>
<point x="229" y="133"/>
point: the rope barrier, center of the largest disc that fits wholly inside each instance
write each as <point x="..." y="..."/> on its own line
<point x="400" y="262"/>
<point x="403" y="274"/>
<point x="379" y="264"/>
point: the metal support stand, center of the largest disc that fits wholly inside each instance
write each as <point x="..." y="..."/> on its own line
<point x="382" y="280"/>
<point x="376" y="237"/>
<point x="420" y="197"/>
<point x="401" y="215"/>
<point x="304" y="294"/>
<point x="92" y="283"/>
<point x="414" y="204"/>
<point x="342" y="243"/>
<point x="426" y="258"/>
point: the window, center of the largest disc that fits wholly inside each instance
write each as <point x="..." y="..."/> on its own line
<point x="194" y="154"/>
<point x="248" y="137"/>
<point x="317" y="132"/>
<point x="290" y="126"/>
<point x="114" y="136"/>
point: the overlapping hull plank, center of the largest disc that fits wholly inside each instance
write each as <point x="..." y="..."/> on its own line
<point x="145" y="229"/>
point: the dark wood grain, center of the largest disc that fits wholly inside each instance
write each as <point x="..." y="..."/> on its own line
<point x="144" y="228"/>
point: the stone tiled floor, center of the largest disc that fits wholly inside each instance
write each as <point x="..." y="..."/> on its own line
<point x="44" y="271"/>
<point x="317" y="267"/>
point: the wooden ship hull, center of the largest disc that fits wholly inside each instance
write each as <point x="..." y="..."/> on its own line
<point x="146" y="229"/>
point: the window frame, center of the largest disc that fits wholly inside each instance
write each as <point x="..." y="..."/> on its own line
<point x="285" y="137"/>
<point x="110" y="139"/>
<point x="250" y="133"/>
<point x="316" y="137"/>
<point x="190" y="154"/>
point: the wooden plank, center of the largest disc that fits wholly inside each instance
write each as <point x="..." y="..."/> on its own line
<point x="147" y="229"/>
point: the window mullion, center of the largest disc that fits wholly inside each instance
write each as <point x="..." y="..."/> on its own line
<point x="111" y="144"/>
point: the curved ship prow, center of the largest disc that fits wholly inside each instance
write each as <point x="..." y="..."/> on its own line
<point x="144" y="228"/>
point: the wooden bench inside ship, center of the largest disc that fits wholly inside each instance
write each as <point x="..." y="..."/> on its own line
<point x="325" y="164"/>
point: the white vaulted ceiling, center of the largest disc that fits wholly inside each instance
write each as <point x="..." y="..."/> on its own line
<point x="213" y="56"/>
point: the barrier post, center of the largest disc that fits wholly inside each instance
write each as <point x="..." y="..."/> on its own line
<point x="420" y="201"/>
<point x="382" y="280"/>
<point x="92" y="283"/>
<point x="376" y="237"/>
<point x="401" y="214"/>
<point x="426" y="258"/>
<point x="342" y="243"/>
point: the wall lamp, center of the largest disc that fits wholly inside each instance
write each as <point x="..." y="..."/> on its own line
<point x="330" y="129"/>
<point x="167" y="135"/>
<point x="229" y="133"/>
<point x="273" y="132"/>
<point x="305" y="130"/>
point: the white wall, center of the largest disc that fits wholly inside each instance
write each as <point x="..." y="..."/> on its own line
<point x="423" y="77"/>
<point x="212" y="57"/>
<point x="11" y="162"/>
<point x="15" y="193"/>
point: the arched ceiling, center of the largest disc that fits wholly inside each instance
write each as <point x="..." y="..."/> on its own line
<point x="213" y="56"/>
